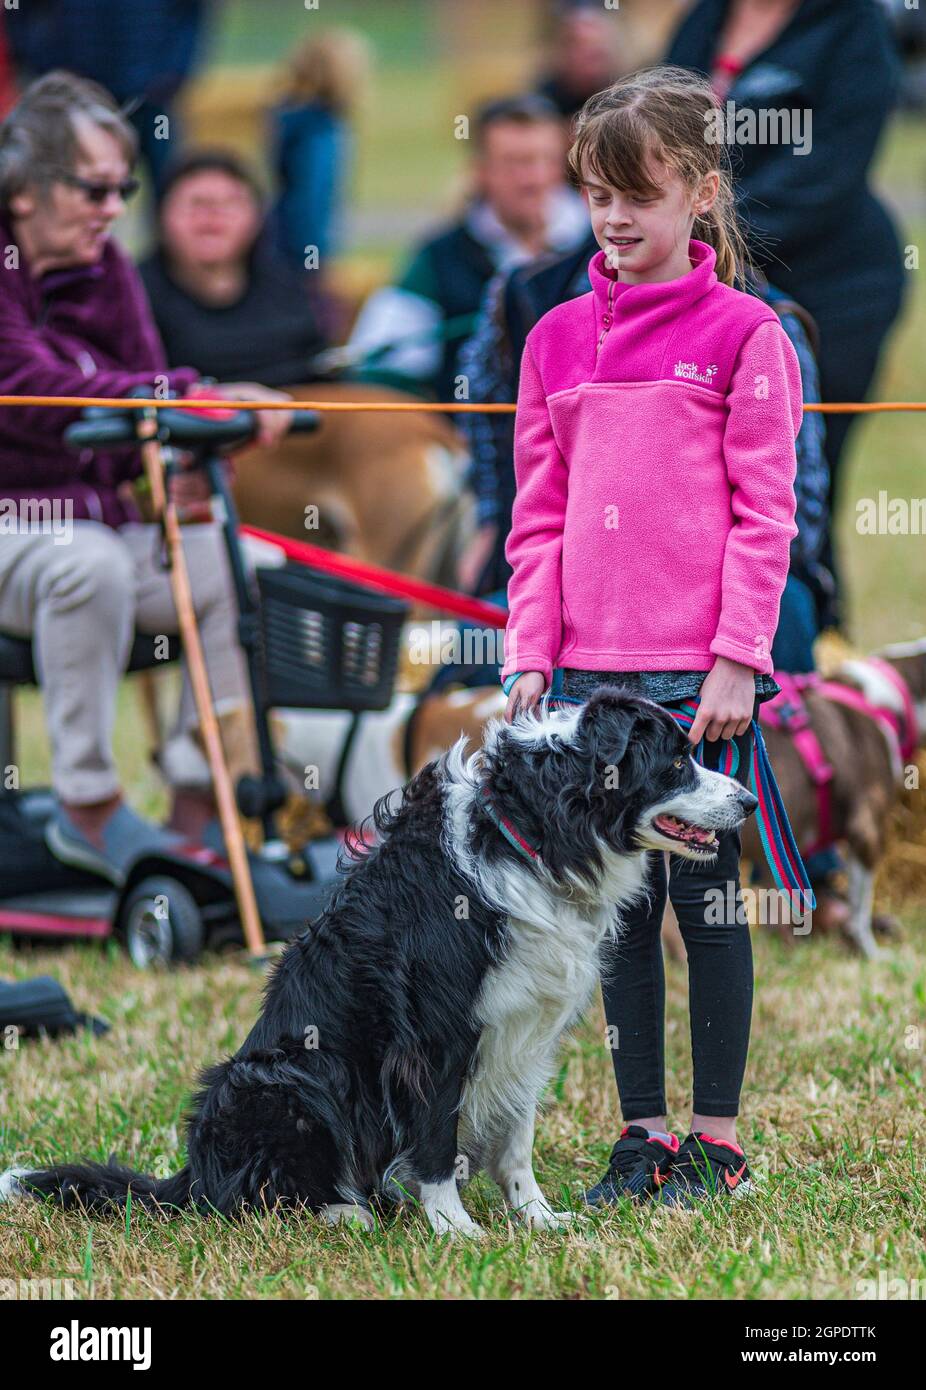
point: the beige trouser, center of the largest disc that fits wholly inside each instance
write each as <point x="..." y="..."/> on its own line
<point x="81" y="601"/>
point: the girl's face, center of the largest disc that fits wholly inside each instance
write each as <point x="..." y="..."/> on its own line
<point x="646" y="238"/>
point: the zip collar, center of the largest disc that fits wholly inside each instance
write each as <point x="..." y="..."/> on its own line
<point x="607" y="318"/>
<point x="667" y="296"/>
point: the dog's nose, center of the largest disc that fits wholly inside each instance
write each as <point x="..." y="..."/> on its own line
<point x="747" y="801"/>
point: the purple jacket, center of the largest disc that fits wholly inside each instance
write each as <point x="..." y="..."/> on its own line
<point x="85" y="331"/>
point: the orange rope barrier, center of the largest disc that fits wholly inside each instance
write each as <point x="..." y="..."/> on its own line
<point x="201" y="403"/>
<point x="866" y="408"/>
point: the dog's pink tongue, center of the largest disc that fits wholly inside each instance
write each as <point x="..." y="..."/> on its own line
<point x="684" y="831"/>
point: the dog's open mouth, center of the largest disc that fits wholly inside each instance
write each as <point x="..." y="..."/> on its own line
<point x="689" y="834"/>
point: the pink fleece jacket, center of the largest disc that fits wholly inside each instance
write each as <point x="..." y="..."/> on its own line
<point x="654" y="457"/>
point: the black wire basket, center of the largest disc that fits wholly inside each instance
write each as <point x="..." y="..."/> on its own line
<point x="327" y="643"/>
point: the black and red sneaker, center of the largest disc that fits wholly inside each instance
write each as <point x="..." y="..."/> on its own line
<point x="638" y="1164"/>
<point x="705" y="1167"/>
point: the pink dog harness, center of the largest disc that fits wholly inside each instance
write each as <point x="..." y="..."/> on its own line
<point x="788" y="711"/>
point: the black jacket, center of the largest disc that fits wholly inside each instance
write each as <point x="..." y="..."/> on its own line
<point x="269" y="335"/>
<point x="815" y="227"/>
<point x="453" y="269"/>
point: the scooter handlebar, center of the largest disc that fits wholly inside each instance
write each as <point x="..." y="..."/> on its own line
<point x="110" y="427"/>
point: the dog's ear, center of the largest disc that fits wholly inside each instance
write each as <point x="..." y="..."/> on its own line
<point x="609" y="719"/>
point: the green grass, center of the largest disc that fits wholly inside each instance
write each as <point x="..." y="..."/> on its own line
<point x="833" y="1117"/>
<point x="402" y="31"/>
<point x="886" y="575"/>
<point x="833" y="1126"/>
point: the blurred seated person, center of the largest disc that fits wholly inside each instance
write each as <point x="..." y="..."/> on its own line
<point x="221" y="296"/>
<point x="520" y="207"/>
<point x="74" y="321"/>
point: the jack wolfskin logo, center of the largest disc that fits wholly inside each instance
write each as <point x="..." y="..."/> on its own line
<point x="688" y="371"/>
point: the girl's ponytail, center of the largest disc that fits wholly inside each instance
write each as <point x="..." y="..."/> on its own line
<point x="719" y="227"/>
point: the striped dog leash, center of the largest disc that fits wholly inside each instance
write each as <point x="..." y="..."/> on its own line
<point x="775" y="833"/>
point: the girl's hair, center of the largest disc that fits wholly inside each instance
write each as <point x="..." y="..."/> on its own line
<point x="667" y="115"/>
<point x="331" y="68"/>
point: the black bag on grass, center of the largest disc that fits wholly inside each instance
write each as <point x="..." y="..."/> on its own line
<point x="40" y="1006"/>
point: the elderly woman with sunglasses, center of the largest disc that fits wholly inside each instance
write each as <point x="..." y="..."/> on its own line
<point x="79" y="570"/>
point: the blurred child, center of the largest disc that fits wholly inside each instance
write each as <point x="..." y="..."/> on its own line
<point x="313" y="149"/>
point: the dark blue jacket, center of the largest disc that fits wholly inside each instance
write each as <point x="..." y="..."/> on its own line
<point x="831" y="244"/>
<point x="313" y="152"/>
<point x="135" y="48"/>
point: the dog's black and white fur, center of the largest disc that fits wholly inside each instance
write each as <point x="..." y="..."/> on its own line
<point x="407" y="1035"/>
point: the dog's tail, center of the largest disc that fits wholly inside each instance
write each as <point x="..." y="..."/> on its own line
<point x="99" y="1188"/>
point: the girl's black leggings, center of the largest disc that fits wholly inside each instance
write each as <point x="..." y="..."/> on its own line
<point x="712" y="919"/>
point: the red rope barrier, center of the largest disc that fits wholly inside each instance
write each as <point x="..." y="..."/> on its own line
<point x="345" y="567"/>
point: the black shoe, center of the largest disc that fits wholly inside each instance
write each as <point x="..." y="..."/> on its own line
<point x="638" y="1164"/>
<point x="705" y="1167"/>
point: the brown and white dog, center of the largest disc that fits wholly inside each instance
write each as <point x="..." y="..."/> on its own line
<point x="867" y="774"/>
<point x="388" y="486"/>
<point x="389" y="746"/>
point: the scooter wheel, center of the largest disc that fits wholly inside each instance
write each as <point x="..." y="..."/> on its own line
<point x="160" y="923"/>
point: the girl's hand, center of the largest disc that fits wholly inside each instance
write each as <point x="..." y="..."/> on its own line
<point x="525" y="693"/>
<point x="727" y="699"/>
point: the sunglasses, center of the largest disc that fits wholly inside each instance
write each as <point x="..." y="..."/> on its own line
<point x="99" y="192"/>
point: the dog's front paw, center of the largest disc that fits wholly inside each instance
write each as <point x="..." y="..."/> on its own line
<point x="539" y="1217"/>
<point x="348" y="1214"/>
<point x="10" y="1189"/>
<point x="456" y="1228"/>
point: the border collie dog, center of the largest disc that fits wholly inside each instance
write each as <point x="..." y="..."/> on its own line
<point x="407" y="1035"/>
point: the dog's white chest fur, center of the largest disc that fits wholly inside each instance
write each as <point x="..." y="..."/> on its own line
<point x="528" y="1000"/>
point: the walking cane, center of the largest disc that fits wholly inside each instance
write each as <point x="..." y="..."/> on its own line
<point x="199" y="679"/>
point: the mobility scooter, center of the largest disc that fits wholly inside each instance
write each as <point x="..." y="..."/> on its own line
<point x="310" y="641"/>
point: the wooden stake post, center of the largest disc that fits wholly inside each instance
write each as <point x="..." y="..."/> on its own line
<point x="202" y="694"/>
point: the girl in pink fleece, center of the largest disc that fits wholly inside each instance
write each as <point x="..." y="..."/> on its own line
<point x="655" y="460"/>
